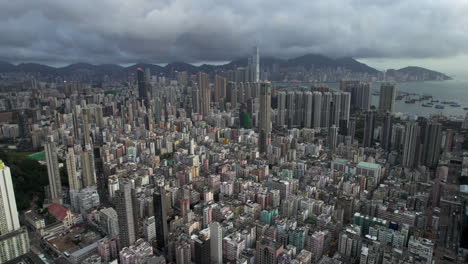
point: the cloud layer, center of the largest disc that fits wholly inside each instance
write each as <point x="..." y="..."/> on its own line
<point x="161" y="31"/>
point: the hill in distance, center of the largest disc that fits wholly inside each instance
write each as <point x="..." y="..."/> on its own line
<point x="308" y="61"/>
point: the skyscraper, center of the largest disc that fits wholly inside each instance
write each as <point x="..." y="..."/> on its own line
<point x="308" y="107"/>
<point x="410" y="145"/>
<point x="332" y="137"/>
<point x="345" y="106"/>
<point x="325" y="113"/>
<point x="216" y="243"/>
<point x="335" y="111"/>
<point x="55" y="184"/>
<point x="160" y="215"/>
<point x="220" y="88"/>
<point x="86" y="126"/>
<point x="387" y="97"/>
<point x="281" y="113"/>
<point x="431" y="144"/>
<point x="317" y="113"/>
<point x="142" y="86"/>
<point x="73" y="181"/>
<point x="195" y="99"/>
<point x="256" y="65"/>
<point x="232" y="94"/>
<point x="205" y="93"/>
<point x="87" y="168"/>
<point x="387" y="132"/>
<point x="124" y="207"/>
<point x="360" y="93"/>
<point x="9" y="220"/>
<point x="14" y="240"/>
<point x="265" y="117"/>
<point x="369" y="126"/>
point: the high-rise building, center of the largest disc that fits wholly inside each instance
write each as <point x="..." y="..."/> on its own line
<point x="183" y="253"/>
<point x="124" y="207"/>
<point x="281" y="110"/>
<point x="142" y="82"/>
<point x="410" y="145"/>
<point x="160" y="215"/>
<point x="202" y="250"/>
<point x="219" y="88"/>
<point x="308" y="107"/>
<point x="360" y="93"/>
<point x="86" y="115"/>
<point x="149" y="229"/>
<point x="232" y="94"/>
<point x="205" y="93"/>
<point x="14" y="240"/>
<point x="267" y="251"/>
<point x="369" y="125"/>
<point x="265" y="117"/>
<point x="448" y="140"/>
<point x="335" y="109"/>
<point x="195" y="99"/>
<point x="333" y="137"/>
<point x="315" y="244"/>
<point x="256" y="65"/>
<point x="73" y="181"/>
<point x="345" y="106"/>
<point x="9" y="220"/>
<point x="431" y="140"/>
<point x="387" y="97"/>
<point x="386" y="140"/>
<point x="216" y="243"/>
<point x="326" y="103"/>
<point x="55" y="184"/>
<point x="182" y="78"/>
<point x="317" y="112"/>
<point x="87" y="168"/>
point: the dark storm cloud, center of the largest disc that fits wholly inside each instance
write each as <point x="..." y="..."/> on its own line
<point x="159" y="31"/>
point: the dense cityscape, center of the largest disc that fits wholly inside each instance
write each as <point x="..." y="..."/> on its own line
<point x="226" y="168"/>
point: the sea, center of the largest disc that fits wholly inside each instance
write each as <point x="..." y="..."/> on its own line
<point x="451" y="90"/>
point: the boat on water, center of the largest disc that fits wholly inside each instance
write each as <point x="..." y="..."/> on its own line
<point x="455" y="105"/>
<point x="448" y="102"/>
<point x="465" y="108"/>
<point x="434" y="101"/>
<point x="439" y="107"/>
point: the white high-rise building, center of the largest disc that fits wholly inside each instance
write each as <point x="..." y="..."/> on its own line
<point x="216" y="243"/>
<point x="14" y="240"/>
<point x="8" y="213"/>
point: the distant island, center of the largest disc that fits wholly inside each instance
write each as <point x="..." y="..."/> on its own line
<point x="309" y="67"/>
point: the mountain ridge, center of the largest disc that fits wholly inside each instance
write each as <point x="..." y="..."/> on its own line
<point x="307" y="61"/>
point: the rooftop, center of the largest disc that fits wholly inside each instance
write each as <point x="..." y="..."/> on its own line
<point x="368" y="165"/>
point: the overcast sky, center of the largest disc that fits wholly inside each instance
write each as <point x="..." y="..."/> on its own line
<point x="383" y="33"/>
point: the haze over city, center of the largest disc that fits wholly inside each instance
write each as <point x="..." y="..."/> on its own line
<point x="233" y="132"/>
<point x="56" y="32"/>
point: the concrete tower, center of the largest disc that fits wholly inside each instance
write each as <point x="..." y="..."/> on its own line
<point x="265" y="117"/>
<point x="55" y="184"/>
